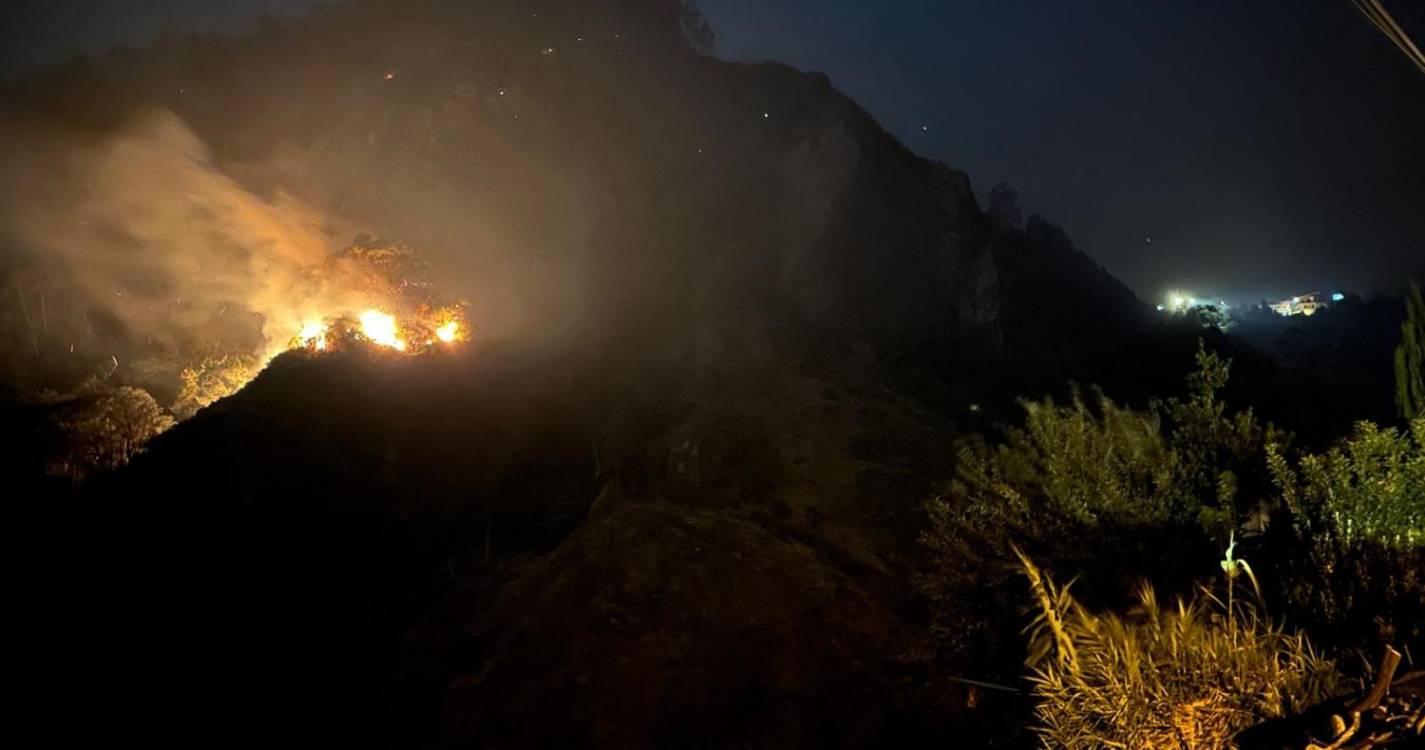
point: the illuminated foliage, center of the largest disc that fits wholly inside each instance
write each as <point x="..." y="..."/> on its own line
<point x="1082" y="465"/>
<point x="1369" y="489"/>
<point x="104" y="427"/>
<point x="1210" y="316"/>
<point x="1357" y="561"/>
<point x="1190" y="675"/>
<point x="1213" y="449"/>
<point x="1150" y="485"/>
<point x="397" y="261"/>
<point x="213" y="378"/>
<point x="1077" y="463"/>
<point x="1068" y="474"/>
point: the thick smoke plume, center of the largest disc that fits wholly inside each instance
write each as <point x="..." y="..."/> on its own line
<point x="135" y="251"/>
<point x="582" y="177"/>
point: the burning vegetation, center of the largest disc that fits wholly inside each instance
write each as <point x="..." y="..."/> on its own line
<point x="372" y="294"/>
<point x="416" y="334"/>
<point x="409" y="319"/>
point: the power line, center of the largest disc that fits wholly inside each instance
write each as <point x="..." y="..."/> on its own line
<point x="1376" y="13"/>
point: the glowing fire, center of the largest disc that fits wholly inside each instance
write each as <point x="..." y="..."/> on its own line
<point x="381" y="329"/>
<point x="312" y="336"/>
<point x="416" y="332"/>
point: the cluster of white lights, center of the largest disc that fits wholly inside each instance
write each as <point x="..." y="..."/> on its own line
<point x="1306" y="304"/>
<point x="1183" y="301"/>
<point x="1178" y="302"/>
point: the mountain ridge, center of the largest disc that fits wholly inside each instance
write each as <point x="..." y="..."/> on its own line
<point x="727" y="330"/>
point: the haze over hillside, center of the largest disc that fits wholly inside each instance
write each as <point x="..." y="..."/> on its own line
<point x="726" y="337"/>
<point x="1284" y="157"/>
<point x="572" y="172"/>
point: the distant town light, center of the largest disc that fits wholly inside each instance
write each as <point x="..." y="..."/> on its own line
<point x="1306" y="304"/>
<point x="1177" y="301"/>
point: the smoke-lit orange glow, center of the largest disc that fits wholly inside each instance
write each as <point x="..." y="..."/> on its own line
<point x="312" y="336"/>
<point x="381" y="329"/>
<point x="415" y="331"/>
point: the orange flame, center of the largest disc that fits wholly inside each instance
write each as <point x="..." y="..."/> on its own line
<point x="380" y="328"/>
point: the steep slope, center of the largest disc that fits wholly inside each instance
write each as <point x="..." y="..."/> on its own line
<point x="576" y="559"/>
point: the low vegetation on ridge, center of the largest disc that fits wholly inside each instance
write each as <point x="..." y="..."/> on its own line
<point x="1123" y="497"/>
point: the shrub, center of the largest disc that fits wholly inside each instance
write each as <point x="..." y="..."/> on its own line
<point x="1216" y="452"/>
<point x="1067" y="466"/>
<point x="1358" y="532"/>
<point x="1069" y="473"/>
<point x="1078" y="467"/>
<point x="1371" y="488"/>
<point x="1190" y="675"/>
<point x="1149" y="488"/>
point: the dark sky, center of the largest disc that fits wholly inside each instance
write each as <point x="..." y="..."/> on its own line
<point x="1265" y="146"/>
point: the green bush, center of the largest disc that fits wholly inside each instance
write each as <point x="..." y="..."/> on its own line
<point x="1356" y="551"/>
<point x="1080" y="466"/>
<point x="1069" y="466"/>
<point x="1086" y="486"/>
<point x="1371" y="488"/>
<point x="1070" y="473"/>
<point x="1216" y="452"/>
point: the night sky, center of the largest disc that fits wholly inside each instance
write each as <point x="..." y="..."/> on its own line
<point x="1233" y="148"/>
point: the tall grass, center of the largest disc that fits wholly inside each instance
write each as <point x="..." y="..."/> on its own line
<point x="1190" y="675"/>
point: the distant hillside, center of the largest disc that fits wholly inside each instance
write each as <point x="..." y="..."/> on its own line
<point x="580" y="171"/>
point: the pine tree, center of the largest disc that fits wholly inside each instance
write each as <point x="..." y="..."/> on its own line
<point x="1410" y="358"/>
